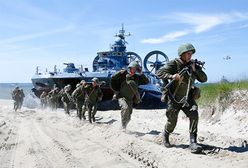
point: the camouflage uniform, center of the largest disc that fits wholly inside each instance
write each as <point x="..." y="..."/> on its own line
<point x="178" y="91"/>
<point x="126" y="86"/>
<point x="17" y="97"/>
<point x="43" y="99"/>
<point x="79" y="97"/>
<point x="92" y="98"/>
<point x="66" y="98"/>
<point x="22" y="95"/>
<point x="54" y="98"/>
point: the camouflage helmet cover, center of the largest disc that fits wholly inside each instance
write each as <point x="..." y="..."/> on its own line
<point x="67" y="86"/>
<point x="82" y="81"/>
<point x="95" y="80"/>
<point x="185" y="48"/>
<point x="134" y="64"/>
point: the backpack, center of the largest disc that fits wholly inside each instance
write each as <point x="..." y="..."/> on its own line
<point x="117" y="79"/>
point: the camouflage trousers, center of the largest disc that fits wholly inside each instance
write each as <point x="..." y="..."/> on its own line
<point x="67" y="107"/>
<point x="79" y="106"/>
<point x="126" y="111"/>
<point x="92" y="109"/>
<point x="191" y="112"/>
<point x="54" y="104"/>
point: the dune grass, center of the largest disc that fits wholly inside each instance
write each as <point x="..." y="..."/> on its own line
<point x="209" y="92"/>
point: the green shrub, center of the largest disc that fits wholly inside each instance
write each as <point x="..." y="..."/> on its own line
<point x="211" y="91"/>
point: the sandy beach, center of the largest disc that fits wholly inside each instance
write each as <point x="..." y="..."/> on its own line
<point x="45" y="138"/>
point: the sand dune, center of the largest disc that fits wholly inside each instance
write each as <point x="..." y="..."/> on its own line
<point x="45" y="138"/>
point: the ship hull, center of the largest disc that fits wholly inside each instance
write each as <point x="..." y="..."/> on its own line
<point x="150" y="98"/>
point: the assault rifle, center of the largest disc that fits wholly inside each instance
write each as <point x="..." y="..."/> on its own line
<point x="188" y="70"/>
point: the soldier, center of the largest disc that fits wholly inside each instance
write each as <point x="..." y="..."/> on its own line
<point x="66" y="98"/>
<point x="22" y="95"/>
<point x="54" y="98"/>
<point x="43" y="99"/>
<point x="92" y="98"/>
<point x="16" y="96"/>
<point x="125" y="85"/>
<point x="79" y="97"/>
<point x="179" y="98"/>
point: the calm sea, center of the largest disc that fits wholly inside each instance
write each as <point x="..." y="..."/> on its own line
<point x="6" y="89"/>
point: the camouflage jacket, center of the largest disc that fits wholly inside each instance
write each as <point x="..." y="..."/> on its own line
<point x="120" y="82"/>
<point x="93" y="94"/>
<point x="179" y="88"/>
<point x="65" y="95"/>
<point x="54" y="94"/>
<point x="16" y="95"/>
<point x="79" y="93"/>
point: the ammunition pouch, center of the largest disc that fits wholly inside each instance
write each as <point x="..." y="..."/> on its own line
<point x="195" y="93"/>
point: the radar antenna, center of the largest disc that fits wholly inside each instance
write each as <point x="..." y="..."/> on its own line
<point x="122" y="34"/>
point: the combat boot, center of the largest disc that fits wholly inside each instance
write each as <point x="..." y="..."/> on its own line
<point x="166" y="140"/>
<point x="89" y="115"/>
<point x="193" y="146"/>
<point x="83" y="114"/>
<point x="93" y="118"/>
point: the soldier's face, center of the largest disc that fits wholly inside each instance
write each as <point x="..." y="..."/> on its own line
<point x="94" y="83"/>
<point x="132" y="71"/>
<point x="186" y="57"/>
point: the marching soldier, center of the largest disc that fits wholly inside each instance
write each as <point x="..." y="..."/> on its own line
<point x="54" y="98"/>
<point x="93" y="97"/>
<point x="43" y="99"/>
<point x="22" y="95"/>
<point x="17" y="96"/>
<point x="66" y="98"/>
<point x="125" y="85"/>
<point x="179" y="98"/>
<point x="79" y="97"/>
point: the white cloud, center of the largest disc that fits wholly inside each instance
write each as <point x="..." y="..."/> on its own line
<point x="166" y="38"/>
<point x="198" y="23"/>
<point x="205" y="22"/>
<point x="35" y="35"/>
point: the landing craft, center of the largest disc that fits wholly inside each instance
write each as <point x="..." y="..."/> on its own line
<point x="105" y="64"/>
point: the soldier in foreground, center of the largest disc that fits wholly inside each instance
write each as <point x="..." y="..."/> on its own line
<point x="125" y="85"/>
<point x="183" y="71"/>
<point x="78" y="96"/>
<point x="93" y="97"/>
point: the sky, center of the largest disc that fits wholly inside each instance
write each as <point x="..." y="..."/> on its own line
<point x="45" y="33"/>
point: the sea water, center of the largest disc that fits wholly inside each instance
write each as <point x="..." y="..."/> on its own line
<point x="30" y="100"/>
<point x="7" y="88"/>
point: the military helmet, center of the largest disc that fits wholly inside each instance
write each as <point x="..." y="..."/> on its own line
<point x="95" y="80"/>
<point x="185" y="48"/>
<point x="82" y="81"/>
<point x="67" y="86"/>
<point x="134" y="64"/>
